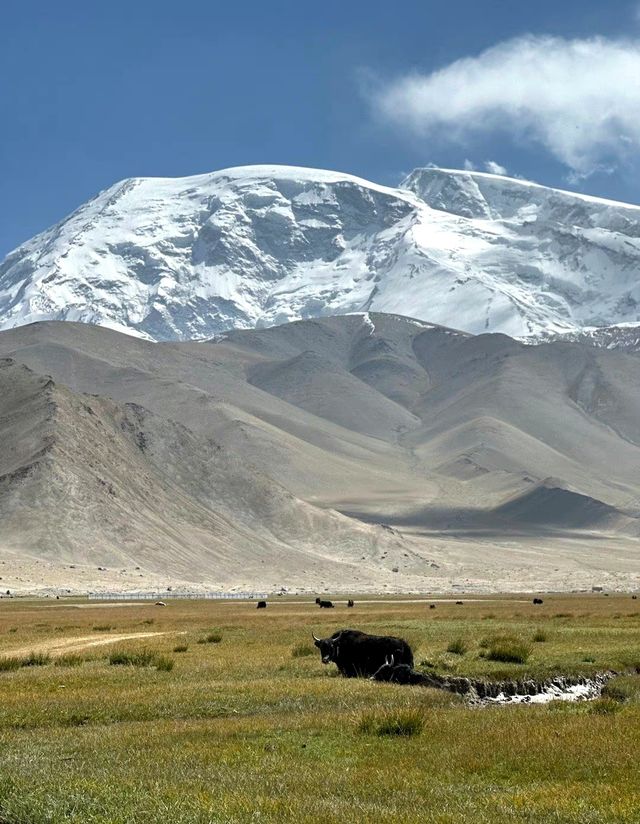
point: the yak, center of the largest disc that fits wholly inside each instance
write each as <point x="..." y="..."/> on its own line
<point x="357" y="654"/>
<point x="538" y="601"/>
<point x="261" y="605"/>
<point x="325" y="604"/>
<point x="400" y="673"/>
<point x="350" y="603"/>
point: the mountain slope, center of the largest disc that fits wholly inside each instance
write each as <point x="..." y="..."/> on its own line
<point x="323" y="454"/>
<point x="176" y="259"/>
<point x="87" y="480"/>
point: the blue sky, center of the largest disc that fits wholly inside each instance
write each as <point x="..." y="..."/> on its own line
<point x="93" y="92"/>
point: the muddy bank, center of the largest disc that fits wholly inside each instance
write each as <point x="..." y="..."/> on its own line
<point x="525" y="691"/>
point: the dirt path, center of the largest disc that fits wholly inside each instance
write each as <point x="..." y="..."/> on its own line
<point x="62" y="605"/>
<point x="274" y="600"/>
<point x="57" y="646"/>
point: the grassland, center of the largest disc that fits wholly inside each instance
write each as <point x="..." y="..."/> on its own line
<point x="252" y="727"/>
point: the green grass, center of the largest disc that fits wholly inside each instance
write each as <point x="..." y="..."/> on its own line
<point x="36" y="659"/>
<point x="33" y="659"/>
<point x="458" y="647"/>
<point x="250" y="731"/>
<point x="508" y="650"/>
<point x="540" y="636"/>
<point x="141" y="658"/>
<point x="69" y="660"/>
<point x="405" y="723"/>
<point x="181" y="648"/>
<point x="623" y="690"/>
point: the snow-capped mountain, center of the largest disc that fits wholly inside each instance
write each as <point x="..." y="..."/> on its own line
<point x="172" y="259"/>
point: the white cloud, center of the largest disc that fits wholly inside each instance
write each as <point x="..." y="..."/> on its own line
<point x="494" y="168"/>
<point x="580" y="99"/>
<point x="469" y="165"/>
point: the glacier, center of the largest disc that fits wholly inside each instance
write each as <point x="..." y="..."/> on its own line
<point x="253" y="246"/>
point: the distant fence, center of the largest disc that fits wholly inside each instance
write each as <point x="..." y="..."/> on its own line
<point x="164" y="596"/>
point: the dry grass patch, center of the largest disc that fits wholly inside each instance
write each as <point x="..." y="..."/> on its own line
<point x="211" y="638"/>
<point x="303" y="651"/>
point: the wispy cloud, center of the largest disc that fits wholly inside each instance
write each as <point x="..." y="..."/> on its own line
<point x="494" y="168"/>
<point x="580" y="99"/>
<point x="488" y="165"/>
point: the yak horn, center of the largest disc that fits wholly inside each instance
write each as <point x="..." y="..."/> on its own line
<point x="314" y="637"/>
<point x="389" y="659"/>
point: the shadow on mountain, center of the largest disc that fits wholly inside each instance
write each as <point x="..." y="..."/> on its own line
<point x="543" y="511"/>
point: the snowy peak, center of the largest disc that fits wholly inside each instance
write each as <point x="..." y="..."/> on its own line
<point x="172" y="259"/>
<point x="185" y="258"/>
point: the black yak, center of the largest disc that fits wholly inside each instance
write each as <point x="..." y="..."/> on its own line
<point x="401" y="674"/>
<point x="357" y="654"/>
<point x="261" y="605"/>
<point x="325" y="604"/>
<point x="350" y="603"/>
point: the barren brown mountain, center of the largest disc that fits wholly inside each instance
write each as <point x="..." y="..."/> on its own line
<point x="347" y="453"/>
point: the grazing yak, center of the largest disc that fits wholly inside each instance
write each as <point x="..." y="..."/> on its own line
<point x="350" y="603"/>
<point x="357" y="654"/>
<point x="325" y="604"/>
<point x="538" y="601"/>
<point x="261" y="605"/>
